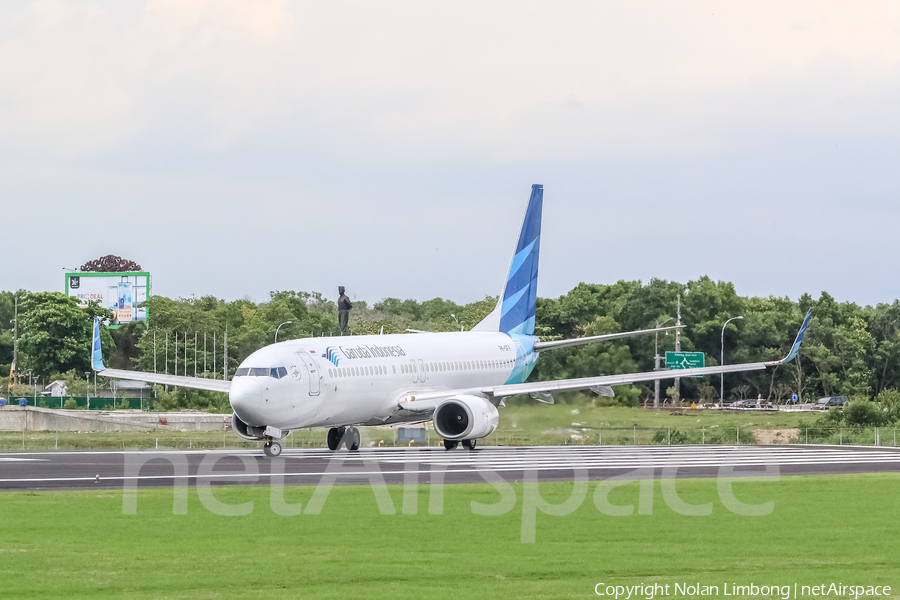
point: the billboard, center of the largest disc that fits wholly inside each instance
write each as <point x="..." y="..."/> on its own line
<point x="125" y="294"/>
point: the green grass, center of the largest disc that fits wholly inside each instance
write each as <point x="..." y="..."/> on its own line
<point x="521" y="423"/>
<point x="80" y="545"/>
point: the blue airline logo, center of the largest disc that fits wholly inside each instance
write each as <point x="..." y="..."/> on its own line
<point x="332" y="355"/>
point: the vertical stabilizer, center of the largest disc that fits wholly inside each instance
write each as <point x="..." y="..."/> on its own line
<point x="514" y="313"/>
<point x="96" y="351"/>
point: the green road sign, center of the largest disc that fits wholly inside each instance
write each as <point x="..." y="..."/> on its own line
<point x="685" y="360"/>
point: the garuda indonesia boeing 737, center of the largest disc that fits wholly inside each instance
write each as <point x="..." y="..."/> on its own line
<point x="457" y="380"/>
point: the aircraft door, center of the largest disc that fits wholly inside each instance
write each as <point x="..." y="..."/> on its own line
<point x="313" y="371"/>
<point x="421" y="370"/>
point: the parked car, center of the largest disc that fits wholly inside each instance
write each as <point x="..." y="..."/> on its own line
<point x="830" y="401"/>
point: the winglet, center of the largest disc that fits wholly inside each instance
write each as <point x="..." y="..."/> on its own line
<point x="96" y="353"/>
<point x="795" y="349"/>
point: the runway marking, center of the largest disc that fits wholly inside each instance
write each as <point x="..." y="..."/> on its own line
<point x="25" y="459"/>
<point x="513" y="460"/>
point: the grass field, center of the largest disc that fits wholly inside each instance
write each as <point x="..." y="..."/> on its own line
<point x="79" y="544"/>
<point x="521" y="424"/>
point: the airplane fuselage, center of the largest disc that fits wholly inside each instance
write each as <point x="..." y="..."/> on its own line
<point x="361" y="380"/>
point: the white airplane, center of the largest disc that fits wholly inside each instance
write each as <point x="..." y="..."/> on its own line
<point x="457" y="380"/>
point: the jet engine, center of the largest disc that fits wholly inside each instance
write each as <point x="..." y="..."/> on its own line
<point x="247" y="432"/>
<point x="465" y="418"/>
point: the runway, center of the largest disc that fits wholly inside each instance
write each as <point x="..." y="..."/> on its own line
<point x="106" y="469"/>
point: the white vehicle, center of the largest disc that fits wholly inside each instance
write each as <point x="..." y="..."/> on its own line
<point x="457" y="380"/>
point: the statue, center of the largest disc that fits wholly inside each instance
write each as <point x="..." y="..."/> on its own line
<point x="344" y="307"/>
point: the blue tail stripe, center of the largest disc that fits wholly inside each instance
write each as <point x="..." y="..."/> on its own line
<point x="521" y="312"/>
<point x="525" y="276"/>
<point x="531" y="228"/>
<point x="521" y="257"/>
<point x="508" y="303"/>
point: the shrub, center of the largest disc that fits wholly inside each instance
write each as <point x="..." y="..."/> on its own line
<point x="862" y="413"/>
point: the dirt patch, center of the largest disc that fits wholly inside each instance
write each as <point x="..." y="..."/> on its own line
<point x="775" y="436"/>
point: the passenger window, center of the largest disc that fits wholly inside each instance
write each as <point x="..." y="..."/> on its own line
<point x="394" y="369"/>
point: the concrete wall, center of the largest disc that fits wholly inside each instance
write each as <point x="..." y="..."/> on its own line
<point x="15" y="418"/>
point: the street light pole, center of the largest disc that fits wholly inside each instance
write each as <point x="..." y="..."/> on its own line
<point x="722" y="360"/>
<point x="656" y="364"/>
<point x="279" y="327"/>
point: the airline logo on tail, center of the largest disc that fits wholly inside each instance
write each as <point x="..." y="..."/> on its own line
<point x="520" y="295"/>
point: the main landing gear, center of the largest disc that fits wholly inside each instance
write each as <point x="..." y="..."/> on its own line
<point x="272" y="448"/>
<point x="348" y="436"/>
<point x="467" y="444"/>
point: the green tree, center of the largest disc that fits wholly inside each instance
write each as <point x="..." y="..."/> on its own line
<point x="56" y="334"/>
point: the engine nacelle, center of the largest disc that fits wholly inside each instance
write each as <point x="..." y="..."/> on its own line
<point x="247" y="432"/>
<point x="465" y="418"/>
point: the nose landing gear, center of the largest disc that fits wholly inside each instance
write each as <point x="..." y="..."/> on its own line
<point x="272" y="448"/>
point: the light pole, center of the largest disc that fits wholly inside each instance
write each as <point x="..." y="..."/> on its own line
<point x="87" y="384"/>
<point x="34" y="379"/>
<point x="279" y="327"/>
<point x="656" y="364"/>
<point x="722" y="361"/>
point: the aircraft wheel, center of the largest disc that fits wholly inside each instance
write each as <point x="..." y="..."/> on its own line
<point x="450" y="444"/>
<point x="469" y="444"/>
<point x="272" y="449"/>
<point x="355" y="439"/>
<point x="334" y="438"/>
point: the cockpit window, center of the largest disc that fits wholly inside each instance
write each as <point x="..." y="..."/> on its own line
<point x="276" y="372"/>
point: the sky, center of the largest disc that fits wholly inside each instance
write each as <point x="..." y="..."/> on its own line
<point x="233" y="148"/>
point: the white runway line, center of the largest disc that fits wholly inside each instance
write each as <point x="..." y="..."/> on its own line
<point x="533" y="458"/>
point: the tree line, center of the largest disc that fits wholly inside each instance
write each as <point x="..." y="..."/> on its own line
<point x="849" y="349"/>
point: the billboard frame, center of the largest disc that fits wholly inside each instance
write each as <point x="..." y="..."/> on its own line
<point x="137" y="274"/>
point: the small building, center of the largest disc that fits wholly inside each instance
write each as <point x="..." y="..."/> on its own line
<point x="57" y="389"/>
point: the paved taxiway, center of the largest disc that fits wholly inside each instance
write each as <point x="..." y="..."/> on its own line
<point x="79" y="470"/>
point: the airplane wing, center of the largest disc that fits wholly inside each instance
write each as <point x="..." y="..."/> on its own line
<point x="501" y="391"/>
<point x="200" y="383"/>
<point x="429" y="401"/>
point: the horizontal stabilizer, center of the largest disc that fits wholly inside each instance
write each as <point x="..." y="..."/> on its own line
<point x="538" y="346"/>
<point x="197" y="383"/>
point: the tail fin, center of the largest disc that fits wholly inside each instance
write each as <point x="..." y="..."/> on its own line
<point x="514" y="313"/>
<point x="96" y="353"/>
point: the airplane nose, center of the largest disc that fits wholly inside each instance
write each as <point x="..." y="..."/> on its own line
<point x="245" y="396"/>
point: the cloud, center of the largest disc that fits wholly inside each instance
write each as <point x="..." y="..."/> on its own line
<point x="579" y="76"/>
<point x="279" y="125"/>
